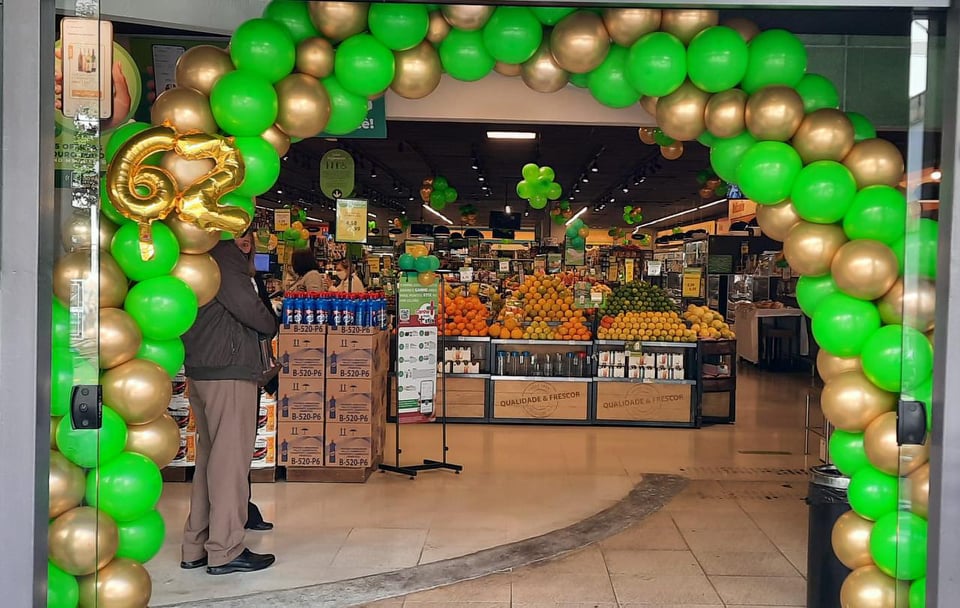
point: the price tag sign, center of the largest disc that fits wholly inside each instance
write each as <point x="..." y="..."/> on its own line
<point x="281" y="220"/>
<point x="351" y="220"/>
<point x="504" y="265"/>
<point x="654" y="268"/>
<point x="692" y="282"/>
<point x="628" y="270"/>
<point x="466" y="275"/>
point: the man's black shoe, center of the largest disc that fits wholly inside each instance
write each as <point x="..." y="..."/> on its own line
<point x="260" y="526"/>
<point x="248" y="561"/>
<point x="197" y="563"/>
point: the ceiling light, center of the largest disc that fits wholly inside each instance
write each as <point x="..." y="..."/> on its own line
<point x="484" y="187"/>
<point x="670" y="217"/>
<point x="594" y="168"/>
<point x="373" y="172"/>
<point x="511" y="135"/>
<point x="411" y="198"/>
<point x="437" y="213"/>
<point x="613" y="199"/>
<point x="625" y="189"/>
<point x="506" y="209"/>
<point x="585" y="179"/>
<point x="373" y="215"/>
<point x="481" y="178"/>
<point x="475" y="164"/>
<point x="575" y="216"/>
<point x="936" y="174"/>
<point x="279" y="191"/>
<point x="572" y="197"/>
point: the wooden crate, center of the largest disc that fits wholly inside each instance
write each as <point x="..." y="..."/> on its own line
<point x="177" y="474"/>
<point x="330" y="474"/>
<point x="267" y="475"/>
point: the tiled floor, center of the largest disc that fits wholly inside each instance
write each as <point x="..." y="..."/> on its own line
<point x="735" y="536"/>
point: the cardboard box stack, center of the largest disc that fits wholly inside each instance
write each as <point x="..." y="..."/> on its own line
<point x="265" y="446"/>
<point x="331" y="406"/>
<point x="180" y="410"/>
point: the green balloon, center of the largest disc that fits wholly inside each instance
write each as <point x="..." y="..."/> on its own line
<point x="862" y="127"/>
<point x="406" y="262"/>
<point x="817" y="93"/>
<point x="878" y="213"/>
<point x="60" y="324"/>
<point x="91" y="448"/>
<point x="168" y="354"/>
<point x="63" y="590"/>
<point x="847" y="453"/>
<point x="917" y="250"/>
<point x="121" y="136"/>
<point x="608" y="82"/>
<point x="434" y="262"/>
<point x="61" y="380"/>
<point x="717" y="59"/>
<point x="775" y="57"/>
<point x="164" y="307"/>
<point x="142" y="538"/>
<point x="823" y="192"/>
<point x="726" y="153"/>
<point x="767" y="172"/>
<point x="812" y="290"/>
<point x="364" y="65"/>
<point x="293" y="15"/>
<point x="579" y="80"/>
<point x="708" y="139"/>
<point x="450" y="195"/>
<point x="440" y="183"/>
<point x="126" y="488"/>
<point x="398" y="26"/>
<point x="244" y="103"/>
<point x="347" y="110"/>
<point x="661" y="138"/>
<point x="422" y="264"/>
<point x="265" y="48"/>
<point x="657" y="64"/>
<point x="464" y="56"/>
<point x="577" y="242"/>
<point x="898" y="544"/>
<point x="918" y="593"/>
<point x="897" y="357"/>
<point x="554" y="191"/>
<point x="573" y="230"/>
<point x="843" y="324"/>
<point x="524" y="189"/>
<point x="126" y="251"/>
<point x="513" y="34"/>
<point x="261" y="165"/>
<point x="437" y="200"/>
<point x="551" y="15"/>
<point x="546" y="174"/>
<point x="872" y="493"/>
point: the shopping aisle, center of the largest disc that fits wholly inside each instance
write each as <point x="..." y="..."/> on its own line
<point x="743" y="509"/>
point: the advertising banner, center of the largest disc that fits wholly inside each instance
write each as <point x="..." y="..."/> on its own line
<point x="416" y="350"/>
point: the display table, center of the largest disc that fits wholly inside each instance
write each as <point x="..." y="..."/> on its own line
<point x="748" y="330"/>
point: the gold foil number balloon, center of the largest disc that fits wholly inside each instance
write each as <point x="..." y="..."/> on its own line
<point x="198" y="202"/>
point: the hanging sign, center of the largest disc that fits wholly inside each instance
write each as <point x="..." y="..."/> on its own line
<point x="351" y="220"/>
<point x="416" y="350"/>
<point x="628" y="270"/>
<point x="692" y="282"/>
<point x="281" y="220"/>
<point x="337" y="174"/>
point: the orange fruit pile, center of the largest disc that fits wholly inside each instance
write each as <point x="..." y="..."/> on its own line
<point x="465" y="316"/>
<point x="543" y="310"/>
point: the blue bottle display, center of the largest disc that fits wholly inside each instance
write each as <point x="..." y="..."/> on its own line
<point x="335" y="309"/>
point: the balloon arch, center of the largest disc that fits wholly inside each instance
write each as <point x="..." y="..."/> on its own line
<point x="825" y="184"/>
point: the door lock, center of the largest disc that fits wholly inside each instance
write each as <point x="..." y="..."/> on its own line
<point x="911" y="423"/>
<point x="86" y="407"/>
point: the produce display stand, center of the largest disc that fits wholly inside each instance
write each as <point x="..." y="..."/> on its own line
<point x="467" y="394"/>
<point x="717" y="365"/>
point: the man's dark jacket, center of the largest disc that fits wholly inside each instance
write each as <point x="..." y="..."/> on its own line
<point x="224" y="342"/>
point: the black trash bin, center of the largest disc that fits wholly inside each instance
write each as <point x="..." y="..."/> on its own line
<point x="827" y="501"/>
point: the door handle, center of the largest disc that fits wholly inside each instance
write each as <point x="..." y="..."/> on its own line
<point x="86" y="407"/>
<point x="911" y="423"/>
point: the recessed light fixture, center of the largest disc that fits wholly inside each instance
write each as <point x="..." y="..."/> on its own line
<point x="279" y="191"/>
<point x="670" y="217"/>
<point x="475" y="164"/>
<point x="594" y="168"/>
<point x="481" y="178"/>
<point x="373" y="215"/>
<point x="613" y="199"/>
<point x="373" y="172"/>
<point x="411" y="198"/>
<point x="506" y="209"/>
<point x="484" y="187"/>
<point x="511" y="135"/>
<point x="625" y="189"/>
<point x="585" y="179"/>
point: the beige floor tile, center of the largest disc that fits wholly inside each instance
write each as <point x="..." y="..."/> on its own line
<point x="658" y="532"/>
<point x="637" y="563"/>
<point x="709" y="518"/>
<point x="494" y="588"/>
<point x="663" y="589"/>
<point x="463" y="604"/>
<point x="543" y="585"/>
<point x="587" y="561"/>
<point x="739" y="563"/>
<point x="564" y="605"/>
<point x="392" y="603"/>
<point x="751" y="590"/>
<point x="701" y="541"/>
<point x="381" y="547"/>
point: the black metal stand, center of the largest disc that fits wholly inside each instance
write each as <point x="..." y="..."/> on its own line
<point x="428" y="465"/>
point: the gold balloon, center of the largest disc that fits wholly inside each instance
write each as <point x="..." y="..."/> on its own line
<point x="54" y="421"/>
<point x="418" y="71"/>
<point x="425" y="193"/>
<point x="868" y="587"/>
<point x="649" y="105"/>
<point x="809" y="248"/>
<point x="82" y="540"/>
<point x="120" y="337"/>
<point x="510" y="70"/>
<point x="75" y="266"/>
<point x="776" y="221"/>
<point x="427" y="278"/>
<point x="438" y="28"/>
<point x="201" y="67"/>
<point x="199" y="202"/>
<point x="192" y="238"/>
<point x="851" y="540"/>
<point x="76" y="234"/>
<point x="107" y="230"/>
<point x="580" y="42"/>
<point x="158" y="440"/>
<point x="774" y="113"/>
<point x="864" y="269"/>
<point x="673" y="151"/>
<point x="139" y="390"/>
<point x="304" y="105"/>
<point x="123" y="583"/>
<point x="542" y="73"/>
<point x="278" y="139"/>
<point x="680" y="114"/>
<point x="315" y="57"/>
<point x="185" y="109"/>
<point x="184" y="171"/>
<point x="915" y="307"/>
<point x="687" y="23"/>
<point x="880" y="444"/>
<point x="339" y="20"/>
<point x="467" y="16"/>
<point x="851" y="402"/>
<point x="875" y="161"/>
<point x="627" y="25"/>
<point x="201" y="273"/>
<point x="746" y="28"/>
<point x="725" y="114"/>
<point x="824" y="134"/>
<point x="919" y="485"/>
<point x="67" y="485"/>
<point x="830" y="366"/>
<point x="646" y="135"/>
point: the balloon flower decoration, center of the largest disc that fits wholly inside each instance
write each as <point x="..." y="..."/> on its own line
<point x="438" y="192"/>
<point x="577" y="233"/>
<point x="297" y="236"/>
<point x="670" y="148"/>
<point x="561" y="212"/>
<point x="711" y="185"/>
<point x="401" y="222"/>
<point x="417" y="260"/>
<point x="537" y="186"/>
<point x="468" y="215"/>
<point x="632" y="215"/>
